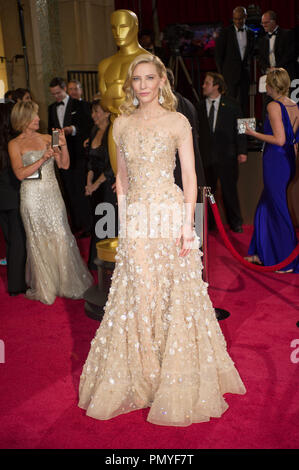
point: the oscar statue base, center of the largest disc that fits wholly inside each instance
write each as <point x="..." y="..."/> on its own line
<point x="96" y="296"/>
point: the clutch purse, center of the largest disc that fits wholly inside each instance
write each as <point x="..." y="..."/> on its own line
<point x="37" y="175"/>
<point x="241" y="123"/>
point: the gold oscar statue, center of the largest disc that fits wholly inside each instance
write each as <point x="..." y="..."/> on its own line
<point x="113" y="70"/>
<point x="112" y="75"/>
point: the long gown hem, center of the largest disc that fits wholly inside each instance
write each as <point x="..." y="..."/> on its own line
<point x="202" y="419"/>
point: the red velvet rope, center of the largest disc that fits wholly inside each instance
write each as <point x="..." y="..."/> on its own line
<point x="246" y="263"/>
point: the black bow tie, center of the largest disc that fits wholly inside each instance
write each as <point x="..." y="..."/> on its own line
<point x="60" y="103"/>
<point x="241" y="30"/>
<point x="272" y="34"/>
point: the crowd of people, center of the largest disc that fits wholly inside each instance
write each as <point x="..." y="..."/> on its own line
<point x="88" y="178"/>
<point x="222" y="150"/>
<point x="274" y="235"/>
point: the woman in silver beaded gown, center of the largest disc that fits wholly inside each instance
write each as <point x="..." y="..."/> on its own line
<point x="54" y="265"/>
<point x="159" y="344"/>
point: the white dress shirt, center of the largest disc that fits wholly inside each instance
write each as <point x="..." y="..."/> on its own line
<point x="61" y="112"/>
<point x="242" y="40"/>
<point x="272" y="60"/>
<point x="216" y="106"/>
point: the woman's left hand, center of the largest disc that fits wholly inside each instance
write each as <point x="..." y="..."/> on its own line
<point x="92" y="187"/>
<point x="248" y="130"/>
<point x="62" y="140"/>
<point x="186" y="239"/>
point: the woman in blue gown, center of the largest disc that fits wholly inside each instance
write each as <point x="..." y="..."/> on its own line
<point x="274" y="237"/>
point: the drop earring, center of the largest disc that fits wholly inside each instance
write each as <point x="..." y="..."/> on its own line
<point x="161" y="97"/>
<point x="135" y="101"/>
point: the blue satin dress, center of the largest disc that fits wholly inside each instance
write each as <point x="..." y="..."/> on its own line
<point x="274" y="237"/>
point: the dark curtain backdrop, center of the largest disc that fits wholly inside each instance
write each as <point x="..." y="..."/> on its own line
<point x="193" y="11"/>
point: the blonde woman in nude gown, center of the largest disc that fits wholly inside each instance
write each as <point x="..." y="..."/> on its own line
<point x="159" y="344"/>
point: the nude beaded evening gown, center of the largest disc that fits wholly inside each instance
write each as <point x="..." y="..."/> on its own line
<point x="159" y="344"/>
<point x="54" y="265"/>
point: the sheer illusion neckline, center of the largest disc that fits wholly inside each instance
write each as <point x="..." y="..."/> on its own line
<point x="138" y="115"/>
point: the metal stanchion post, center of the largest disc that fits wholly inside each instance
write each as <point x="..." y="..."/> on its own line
<point x="221" y="314"/>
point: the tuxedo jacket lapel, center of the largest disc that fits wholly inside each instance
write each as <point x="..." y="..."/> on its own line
<point x="55" y="117"/>
<point x="277" y="39"/>
<point x="267" y="45"/>
<point x="206" y="124"/>
<point x="219" y="119"/>
<point x="247" y="44"/>
<point x="204" y="109"/>
<point x="236" y="41"/>
<point x="67" y="114"/>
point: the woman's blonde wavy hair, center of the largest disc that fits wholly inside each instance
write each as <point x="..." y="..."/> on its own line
<point x="170" y="101"/>
<point x="22" y="114"/>
<point x="279" y="80"/>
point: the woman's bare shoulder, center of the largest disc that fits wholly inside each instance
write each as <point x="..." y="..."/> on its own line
<point x="274" y="107"/>
<point x="47" y="138"/>
<point x="14" y="143"/>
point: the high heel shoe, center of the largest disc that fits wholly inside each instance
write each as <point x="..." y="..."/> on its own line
<point x="285" y="272"/>
<point x="254" y="259"/>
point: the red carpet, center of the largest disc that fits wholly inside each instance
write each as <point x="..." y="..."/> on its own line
<point x="46" y="346"/>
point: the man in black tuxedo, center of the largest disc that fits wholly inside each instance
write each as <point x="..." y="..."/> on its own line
<point x="277" y="47"/>
<point x="10" y="217"/>
<point x="233" y="53"/>
<point x="221" y="147"/>
<point x="13" y="231"/>
<point x="72" y="116"/>
<point x="74" y="89"/>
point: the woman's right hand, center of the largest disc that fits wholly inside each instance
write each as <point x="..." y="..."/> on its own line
<point x="185" y="239"/>
<point x="48" y="154"/>
<point x="87" y="190"/>
<point x="90" y="188"/>
<point x="248" y="130"/>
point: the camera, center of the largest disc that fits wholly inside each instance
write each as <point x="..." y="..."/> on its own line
<point x="55" y="138"/>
